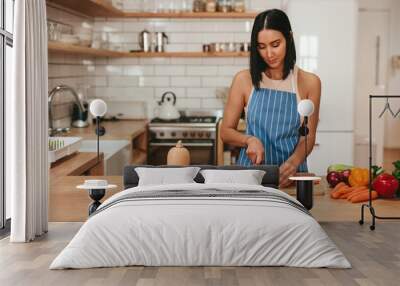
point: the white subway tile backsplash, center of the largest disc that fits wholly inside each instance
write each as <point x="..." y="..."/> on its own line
<point x="218" y="61"/>
<point x="153" y="81"/>
<point x="230" y="70"/>
<point x="170" y="70"/>
<point x="242" y="61"/>
<point x="138" y="70"/>
<point x="184" y="103"/>
<point x="154" y="61"/>
<point x="212" y="103"/>
<point x="109" y="26"/>
<point x="200" y="92"/>
<point x="123" y="81"/>
<point x="124" y="93"/>
<point x="179" y="38"/>
<point x="108" y="70"/>
<point x="218" y="81"/>
<point x="201" y="70"/>
<point x="186" y="61"/>
<point x="242" y="37"/>
<point x="185" y="81"/>
<point x="123" y="61"/>
<point x="218" y="37"/>
<point x="123" y="37"/>
<point x="96" y="81"/>
<point x="193" y="47"/>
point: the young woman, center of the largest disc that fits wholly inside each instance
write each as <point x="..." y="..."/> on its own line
<point x="269" y="93"/>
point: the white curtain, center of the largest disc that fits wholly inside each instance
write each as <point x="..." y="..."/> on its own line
<point x="27" y="127"/>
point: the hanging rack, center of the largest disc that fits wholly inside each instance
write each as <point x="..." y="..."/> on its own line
<point x="387" y="107"/>
<point x="369" y="205"/>
<point x="397" y="113"/>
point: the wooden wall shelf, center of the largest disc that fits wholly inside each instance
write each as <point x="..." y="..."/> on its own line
<point x="94" y="8"/>
<point x="56" y="47"/>
<point x="198" y="15"/>
<point x="103" y="8"/>
<point x="187" y="55"/>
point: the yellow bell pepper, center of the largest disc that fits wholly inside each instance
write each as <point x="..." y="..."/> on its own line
<point x="359" y="177"/>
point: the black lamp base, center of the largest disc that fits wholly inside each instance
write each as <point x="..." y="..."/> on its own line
<point x="304" y="193"/>
<point x="96" y="195"/>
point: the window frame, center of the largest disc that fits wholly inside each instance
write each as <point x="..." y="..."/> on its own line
<point x="6" y="39"/>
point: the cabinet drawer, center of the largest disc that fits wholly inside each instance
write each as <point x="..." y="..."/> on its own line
<point x="331" y="148"/>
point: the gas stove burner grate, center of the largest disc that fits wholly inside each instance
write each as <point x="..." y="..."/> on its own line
<point x="188" y="119"/>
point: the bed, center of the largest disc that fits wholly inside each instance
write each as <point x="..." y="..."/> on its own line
<point x="197" y="224"/>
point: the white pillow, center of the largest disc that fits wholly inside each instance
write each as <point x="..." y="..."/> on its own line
<point x="163" y="176"/>
<point x="249" y="177"/>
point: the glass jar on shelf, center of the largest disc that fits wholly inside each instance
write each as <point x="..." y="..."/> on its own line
<point x="211" y="6"/>
<point x="239" y="6"/>
<point x="224" y="6"/>
<point x="198" y="6"/>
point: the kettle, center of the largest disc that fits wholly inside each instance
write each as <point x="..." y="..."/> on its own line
<point x="145" y="41"/>
<point x="167" y="110"/>
<point x="161" y="39"/>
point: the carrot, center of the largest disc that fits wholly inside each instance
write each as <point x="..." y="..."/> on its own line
<point x="364" y="196"/>
<point x="351" y="191"/>
<point x="345" y="192"/>
<point x="339" y="192"/>
<point x="356" y="192"/>
<point x="338" y="186"/>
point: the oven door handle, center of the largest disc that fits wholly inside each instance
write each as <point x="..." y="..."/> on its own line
<point x="187" y="144"/>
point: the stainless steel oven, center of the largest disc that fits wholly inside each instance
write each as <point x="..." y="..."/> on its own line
<point x="198" y="135"/>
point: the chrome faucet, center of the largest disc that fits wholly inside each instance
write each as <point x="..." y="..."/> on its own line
<point x="52" y="93"/>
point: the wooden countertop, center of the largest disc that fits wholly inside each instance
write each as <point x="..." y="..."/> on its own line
<point x="115" y="130"/>
<point x="74" y="164"/>
<point x="67" y="203"/>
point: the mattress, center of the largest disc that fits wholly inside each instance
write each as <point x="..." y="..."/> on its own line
<point x="201" y="225"/>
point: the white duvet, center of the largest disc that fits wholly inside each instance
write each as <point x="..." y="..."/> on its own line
<point x="200" y="231"/>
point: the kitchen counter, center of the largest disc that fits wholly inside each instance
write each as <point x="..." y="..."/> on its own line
<point x="115" y="130"/>
<point x="67" y="203"/>
<point x="135" y="131"/>
<point x="74" y="165"/>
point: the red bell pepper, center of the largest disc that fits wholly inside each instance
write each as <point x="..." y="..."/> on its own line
<point x="385" y="185"/>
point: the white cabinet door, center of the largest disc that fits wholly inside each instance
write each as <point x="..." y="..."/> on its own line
<point x="325" y="37"/>
<point x="331" y="148"/>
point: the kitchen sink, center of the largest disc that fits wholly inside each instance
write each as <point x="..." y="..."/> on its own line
<point x="60" y="147"/>
<point x="117" y="154"/>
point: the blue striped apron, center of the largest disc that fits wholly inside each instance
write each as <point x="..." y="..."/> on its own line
<point x="272" y="117"/>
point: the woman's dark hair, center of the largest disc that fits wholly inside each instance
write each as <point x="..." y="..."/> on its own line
<point x="274" y="19"/>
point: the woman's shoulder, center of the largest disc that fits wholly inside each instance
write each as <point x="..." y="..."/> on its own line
<point x="309" y="81"/>
<point x="242" y="80"/>
<point x="243" y="76"/>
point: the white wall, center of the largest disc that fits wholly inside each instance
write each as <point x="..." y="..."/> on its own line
<point x="391" y="126"/>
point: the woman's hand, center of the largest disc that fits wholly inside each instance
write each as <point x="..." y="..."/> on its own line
<point x="255" y="150"/>
<point x="286" y="170"/>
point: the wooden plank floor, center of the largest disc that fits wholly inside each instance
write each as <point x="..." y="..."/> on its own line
<point x="375" y="257"/>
